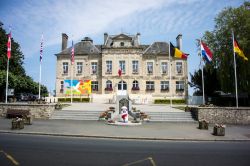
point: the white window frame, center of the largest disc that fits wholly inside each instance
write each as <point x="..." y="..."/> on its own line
<point x="79" y="66"/>
<point x="135" y="66"/>
<point x="179" y="67"/>
<point x="122" y="66"/>
<point x="109" y="66"/>
<point x="150" y="85"/>
<point x="179" y="85"/>
<point x="65" y="67"/>
<point x="94" y="85"/>
<point x="164" y="85"/>
<point x="164" y="67"/>
<point x="94" y="67"/>
<point x="109" y="85"/>
<point x="150" y="67"/>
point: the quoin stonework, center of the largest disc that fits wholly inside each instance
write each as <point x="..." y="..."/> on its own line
<point x="145" y="69"/>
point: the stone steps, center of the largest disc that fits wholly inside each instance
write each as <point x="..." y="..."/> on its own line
<point x="94" y="115"/>
<point x="170" y="116"/>
<point x="76" y="115"/>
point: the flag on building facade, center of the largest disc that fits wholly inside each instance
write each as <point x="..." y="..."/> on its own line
<point x="206" y="52"/>
<point x="72" y="53"/>
<point x="119" y="72"/>
<point x="9" y="46"/>
<point x="238" y="50"/>
<point x="41" y="49"/>
<point x="175" y="52"/>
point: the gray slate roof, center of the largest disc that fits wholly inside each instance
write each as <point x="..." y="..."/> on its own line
<point x="157" y="48"/>
<point x="83" y="47"/>
<point x="86" y="46"/>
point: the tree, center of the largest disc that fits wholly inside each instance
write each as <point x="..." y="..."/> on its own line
<point x="18" y="79"/>
<point x="221" y="70"/>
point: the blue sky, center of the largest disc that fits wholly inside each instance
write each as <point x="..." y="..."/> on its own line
<point x="156" y="20"/>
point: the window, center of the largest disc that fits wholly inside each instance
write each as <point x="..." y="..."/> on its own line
<point x="122" y="44"/>
<point x="150" y="67"/>
<point x="164" y="67"/>
<point x="109" y="86"/>
<point x="135" y="85"/>
<point x="79" y="67"/>
<point x="164" y="85"/>
<point x="62" y="87"/>
<point x="179" y="85"/>
<point x="109" y="66"/>
<point x="94" y="67"/>
<point x="122" y="66"/>
<point x="179" y="67"/>
<point x="122" y="85"/>
<point x="94" y="85"/>
<point x="65" y="67"/>
<point x="150" y="85"/>
<point x="135" y="66"/>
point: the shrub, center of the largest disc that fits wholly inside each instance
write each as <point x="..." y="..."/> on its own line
<point x="68" y="99"/>
<point x="167" y="101"/>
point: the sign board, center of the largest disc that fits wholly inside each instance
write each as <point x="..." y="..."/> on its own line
<point x="79" y="87"/>
<point x="10" y="92"/>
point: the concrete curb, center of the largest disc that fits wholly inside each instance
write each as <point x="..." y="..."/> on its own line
<point x="126" y="138"/>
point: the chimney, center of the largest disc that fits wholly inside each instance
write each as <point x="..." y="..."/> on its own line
<point x="105" y="37"/>
<point x="179" y="41"/>
<point x="138" y="37"/>
<point x="64" y="41"/>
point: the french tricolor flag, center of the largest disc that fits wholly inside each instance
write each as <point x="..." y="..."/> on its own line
<point x="206" y="53"/>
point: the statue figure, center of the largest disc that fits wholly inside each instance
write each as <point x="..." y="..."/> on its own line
<point x="124" y="114"/>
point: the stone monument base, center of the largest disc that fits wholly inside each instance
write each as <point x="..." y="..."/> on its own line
<point x="129" y="123"/>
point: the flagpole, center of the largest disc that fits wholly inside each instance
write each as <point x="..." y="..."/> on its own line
<point x="40" y="72"/>
<point x="71" y="83"/>
<point x="170" y="75"/>
<point x="7" y="82"/>
<point x="40" y="77"/>
<point x="202" y="76"/>
<point x="235" y="75"/>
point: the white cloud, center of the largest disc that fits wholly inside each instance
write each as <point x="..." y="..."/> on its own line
<point x="80" y="18"/>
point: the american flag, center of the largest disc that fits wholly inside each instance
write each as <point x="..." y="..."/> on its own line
<point x="41" y="49"/>
<point x="72" y="53"/>
<point x="9" y="46"/>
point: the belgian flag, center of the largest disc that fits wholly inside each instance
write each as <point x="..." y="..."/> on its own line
<point x="239" y="51"/>
<point x="175" y="52"/>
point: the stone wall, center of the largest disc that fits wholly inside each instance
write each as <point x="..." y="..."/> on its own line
<point x="223" y="115"/>
<point x="39" y="111"/>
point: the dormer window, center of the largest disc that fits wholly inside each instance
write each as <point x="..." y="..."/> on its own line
<point x="122" y="44"/>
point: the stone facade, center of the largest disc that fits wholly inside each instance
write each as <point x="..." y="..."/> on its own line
<point x="39" y="111"/>
<point x="223" y="115"/>
<point x="145" y="68"/>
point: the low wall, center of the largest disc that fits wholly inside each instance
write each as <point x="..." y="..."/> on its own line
<point x="39" y="111"/>
<point x="223" y="115"/>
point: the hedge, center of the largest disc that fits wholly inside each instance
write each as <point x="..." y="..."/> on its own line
<point x="84" y="100"/>
<point x="167" y="101"/>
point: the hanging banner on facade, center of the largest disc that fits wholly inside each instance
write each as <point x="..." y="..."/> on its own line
<point x="79" y="87"/>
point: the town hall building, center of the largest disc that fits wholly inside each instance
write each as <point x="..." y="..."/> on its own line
<point x="144" y="69"/>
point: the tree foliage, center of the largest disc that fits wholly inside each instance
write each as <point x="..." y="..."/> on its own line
<point x="18" y="79"/>
<point x="219" y="75"/>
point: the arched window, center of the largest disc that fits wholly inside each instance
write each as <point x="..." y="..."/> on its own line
<point x="122" y="85"/>
<point x="122" y="44"/>
<point x="109" y="85"/>
<point x="135" y="85"/>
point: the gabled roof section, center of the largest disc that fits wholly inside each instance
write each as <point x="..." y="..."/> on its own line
<point x="157" y="48"/>
<point x="122" y="37"/>
<point x="83" y="47"/>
